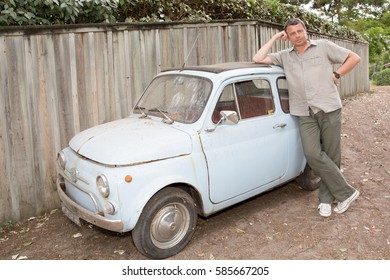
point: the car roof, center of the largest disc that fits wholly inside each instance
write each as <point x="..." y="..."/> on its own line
<point x="222" y="67"/>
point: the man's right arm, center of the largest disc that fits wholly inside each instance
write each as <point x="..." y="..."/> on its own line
<point x="261" y="55"/>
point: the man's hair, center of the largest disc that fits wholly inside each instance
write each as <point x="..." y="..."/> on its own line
<point x="294" y="21"/>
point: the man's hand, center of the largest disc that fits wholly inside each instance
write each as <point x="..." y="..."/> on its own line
<point x="336" y="81"/>
<point x="281" y="36"/>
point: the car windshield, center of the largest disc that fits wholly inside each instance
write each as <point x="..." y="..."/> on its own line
<point x="174" y="98"/>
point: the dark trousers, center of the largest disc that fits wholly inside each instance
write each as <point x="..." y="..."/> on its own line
<point x="321" y="141"/>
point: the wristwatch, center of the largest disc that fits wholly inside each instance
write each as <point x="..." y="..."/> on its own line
<point x="337" y="75"/>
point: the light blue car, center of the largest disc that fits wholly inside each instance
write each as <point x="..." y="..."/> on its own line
<point x="200" y="139"/>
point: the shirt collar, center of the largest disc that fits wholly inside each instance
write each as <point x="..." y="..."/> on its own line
<point x="312" y="43"/>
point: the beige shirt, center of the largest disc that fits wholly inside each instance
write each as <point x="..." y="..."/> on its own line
<point x="310" y="76"/>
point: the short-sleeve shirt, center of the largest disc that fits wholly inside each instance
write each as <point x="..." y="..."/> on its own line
<point x="310" y="76"/>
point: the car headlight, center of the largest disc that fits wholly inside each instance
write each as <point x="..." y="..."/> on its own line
<point x="109" y="208"/>
<point x="102" y="184"/>
<point x="61" y="160"/>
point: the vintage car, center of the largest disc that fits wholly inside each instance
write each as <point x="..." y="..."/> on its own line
<point x="198" y="140"/>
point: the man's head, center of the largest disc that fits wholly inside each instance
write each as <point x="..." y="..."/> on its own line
<point x="296" y="32"/>
<point x="294" y="21"/>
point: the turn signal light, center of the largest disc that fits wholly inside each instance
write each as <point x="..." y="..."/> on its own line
<point x="128" y="178"/>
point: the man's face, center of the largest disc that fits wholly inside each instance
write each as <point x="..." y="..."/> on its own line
<point x="297" y="35"/>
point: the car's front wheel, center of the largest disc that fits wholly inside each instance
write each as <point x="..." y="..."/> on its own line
<point x="166" y="224"/>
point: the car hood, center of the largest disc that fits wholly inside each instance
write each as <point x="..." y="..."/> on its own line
<point x="131" y="141"/>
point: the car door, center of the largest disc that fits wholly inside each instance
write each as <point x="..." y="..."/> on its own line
<point x="251" y="154"/>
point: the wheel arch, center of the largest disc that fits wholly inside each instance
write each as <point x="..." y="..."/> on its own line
<point x="192" y="191"/>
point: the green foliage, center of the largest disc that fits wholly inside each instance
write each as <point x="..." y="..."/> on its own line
<point x="159" y="11"/>
<point x="7" y="225"/>
<point x="376" y="31"/>
<point x="379" y="65"/>
<point x="19" y="12"/>
<point x="347" y="10"/>
<point x="38" y="12"/>
<point x="371" y="18"/>
<point x="382" y="78"/>
<point x="206" y="10"/>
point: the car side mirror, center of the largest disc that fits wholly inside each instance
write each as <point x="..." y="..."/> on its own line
<point x="227" y="117"/>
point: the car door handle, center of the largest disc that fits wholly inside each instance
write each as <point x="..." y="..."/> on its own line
<point x="279" y="125"/>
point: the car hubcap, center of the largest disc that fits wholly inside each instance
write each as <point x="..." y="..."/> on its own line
<point x="170" y="225"/>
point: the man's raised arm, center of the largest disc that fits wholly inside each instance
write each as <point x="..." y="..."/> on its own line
<point x="261" y="55"/>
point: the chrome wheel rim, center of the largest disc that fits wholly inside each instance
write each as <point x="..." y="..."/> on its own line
<point x="170" y="225"/>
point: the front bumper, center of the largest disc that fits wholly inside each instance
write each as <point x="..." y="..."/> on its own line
<point x="96" y="218"/>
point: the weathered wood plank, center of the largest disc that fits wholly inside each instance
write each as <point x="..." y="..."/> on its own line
<point x="5" y="152"/>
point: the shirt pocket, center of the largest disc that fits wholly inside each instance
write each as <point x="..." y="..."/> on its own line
<point x="316" y="60"/>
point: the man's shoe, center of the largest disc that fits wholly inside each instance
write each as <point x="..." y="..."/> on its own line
<point x="343" y="206"/>
<point x="325" y="210"/>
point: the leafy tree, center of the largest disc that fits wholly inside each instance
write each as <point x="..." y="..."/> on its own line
<point x="371" y="18"/>
<point x="376" y="31"/>
<point x="343" y="11"/>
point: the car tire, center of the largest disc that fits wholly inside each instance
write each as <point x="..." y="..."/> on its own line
<point x="308" y="180"/>
<point x="166" y="224"/>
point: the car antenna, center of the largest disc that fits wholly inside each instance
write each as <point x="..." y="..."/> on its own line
<point x="189" y="53"/>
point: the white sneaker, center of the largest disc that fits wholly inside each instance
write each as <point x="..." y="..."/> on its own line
<point x="343" y="206"/>
<point x="325" y="210"/>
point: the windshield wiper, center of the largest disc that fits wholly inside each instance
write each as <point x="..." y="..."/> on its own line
<point x="166" y="119"/>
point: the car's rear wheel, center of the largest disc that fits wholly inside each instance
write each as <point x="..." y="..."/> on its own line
<point x="166" y="224"/>
<point x="308" y="180"/>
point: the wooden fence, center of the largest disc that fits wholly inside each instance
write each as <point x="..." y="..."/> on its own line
<point x="56" y="81"/>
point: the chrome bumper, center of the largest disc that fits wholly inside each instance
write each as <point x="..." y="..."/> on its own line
<point x="78" y="211"/>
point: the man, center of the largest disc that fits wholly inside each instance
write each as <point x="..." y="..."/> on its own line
<point x="314" y="98"/>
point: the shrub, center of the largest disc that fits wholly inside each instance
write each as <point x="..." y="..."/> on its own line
<point x="382" y="78"/>
<point x="7" y="225"/>
<point x="37" y="12"/>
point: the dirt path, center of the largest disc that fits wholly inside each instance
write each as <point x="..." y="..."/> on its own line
<point x="281" y="224"/>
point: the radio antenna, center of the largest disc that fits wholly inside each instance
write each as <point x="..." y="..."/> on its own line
<point x="189" y="53"/>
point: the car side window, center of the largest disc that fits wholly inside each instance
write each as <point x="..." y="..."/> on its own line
<point x="254" y="98"/>
<point x="283" y="94"/>
<point x="226" y="102"/>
